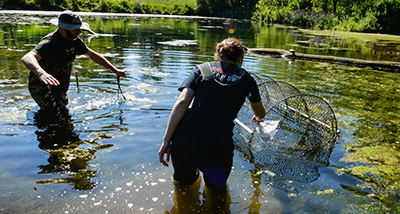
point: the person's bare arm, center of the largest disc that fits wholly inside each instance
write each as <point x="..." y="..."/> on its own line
<point x="259" y="111"/>
<point x="31" y="61"/>
<point x="177" y="113"/>
<point x="101" y="60"/>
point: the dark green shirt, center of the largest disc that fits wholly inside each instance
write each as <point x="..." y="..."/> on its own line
<point x="55" y="48"/>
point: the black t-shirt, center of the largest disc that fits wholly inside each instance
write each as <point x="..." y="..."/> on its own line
<point x="208" y="124"/>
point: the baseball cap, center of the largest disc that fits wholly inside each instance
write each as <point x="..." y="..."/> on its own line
<point x="71" y="21"/>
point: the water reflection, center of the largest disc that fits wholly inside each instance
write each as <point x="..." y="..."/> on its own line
<point x="255" y="205"/>
<point x="189" y="199"/>
<point x="9" y="37"/>
<point x="68" y="154"/>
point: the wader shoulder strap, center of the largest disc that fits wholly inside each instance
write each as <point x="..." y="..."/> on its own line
<point x="206" y="71"/>
<point x="208" y="74"/>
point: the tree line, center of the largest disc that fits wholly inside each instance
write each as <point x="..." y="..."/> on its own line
<point x="373" y="16"/>
<point x="376" y="16"/>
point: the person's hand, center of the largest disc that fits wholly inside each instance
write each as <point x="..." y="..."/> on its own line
<point x="48" y="79"/>
<point x="120" y="73"/>
<point x="256" y="119"/>
<point x="165" y="150"/>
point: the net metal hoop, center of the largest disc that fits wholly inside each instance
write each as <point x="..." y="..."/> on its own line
<point x="302" y="137"/>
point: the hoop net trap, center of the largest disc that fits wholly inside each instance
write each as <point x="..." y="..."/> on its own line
<point x="296" y="137"/>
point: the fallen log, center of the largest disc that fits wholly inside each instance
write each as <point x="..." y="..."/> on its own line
<point x="292" y="55"/>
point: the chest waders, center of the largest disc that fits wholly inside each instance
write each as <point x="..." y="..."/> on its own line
<point x="206" y="129"/>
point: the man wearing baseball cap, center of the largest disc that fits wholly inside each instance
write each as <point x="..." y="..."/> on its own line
<point x="50" y="62"/>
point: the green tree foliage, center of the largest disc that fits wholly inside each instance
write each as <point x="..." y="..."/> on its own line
<point x="388" y="15"/>
<point x="227" y="8"/>
<point x="123" y="6"/>
<point x="350" y="15"/>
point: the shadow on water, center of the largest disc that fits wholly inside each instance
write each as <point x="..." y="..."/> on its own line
<point x="68" y="154"/>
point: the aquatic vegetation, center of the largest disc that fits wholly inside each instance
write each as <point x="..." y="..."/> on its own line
<point x="379" y="170"/>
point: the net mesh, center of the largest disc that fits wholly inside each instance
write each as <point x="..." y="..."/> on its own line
<point x="296" y="136"/>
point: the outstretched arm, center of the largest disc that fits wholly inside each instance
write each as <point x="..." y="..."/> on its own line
<point x="31" y="61"/>
<point x="177" y="113"/>
<point x="259" y="111"/>
<point x="99" y="59"/>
